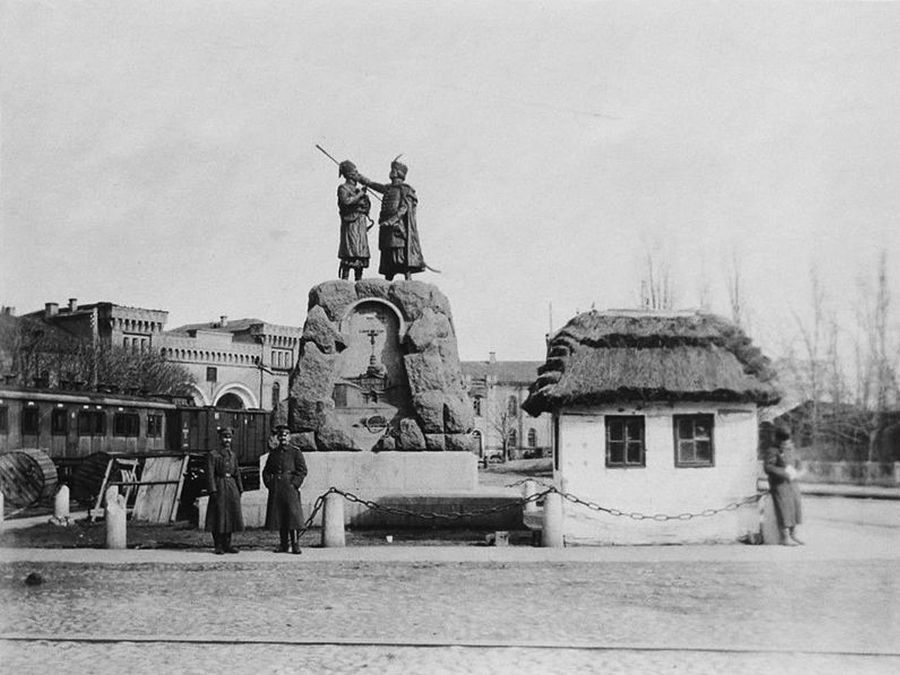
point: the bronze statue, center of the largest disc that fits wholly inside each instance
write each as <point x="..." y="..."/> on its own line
<point x="398" y="233"/>
<point x="353" y="206"/>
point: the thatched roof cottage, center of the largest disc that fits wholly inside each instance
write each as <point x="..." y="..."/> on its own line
<point x="654" y="413"/>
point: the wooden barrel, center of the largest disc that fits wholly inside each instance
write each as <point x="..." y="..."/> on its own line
<point x="87" y="478"/>
<point x="27" y="476"/>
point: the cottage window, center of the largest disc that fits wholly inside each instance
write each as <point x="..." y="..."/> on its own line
<point x="59" y="422"/>
<point x="693" y="440"/>
<point x="154" y="426"/>
<point x="31" y="421"/>
<point x="91" y="423"/>
<point x="4" y="420"/>
<point x="126" y="424"/>
<point x="624" y="440"/>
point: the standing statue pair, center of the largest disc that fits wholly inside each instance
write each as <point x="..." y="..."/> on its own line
<point x="398" y="232"/>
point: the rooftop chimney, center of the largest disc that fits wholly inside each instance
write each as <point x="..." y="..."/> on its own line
<point x="51" y="309"/>
<point x="223" y="319"/>
<point x="73" y="304"/>
<point x="9" y="311"/>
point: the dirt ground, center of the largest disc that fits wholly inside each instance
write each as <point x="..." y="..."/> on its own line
<point x="82" y="533"/>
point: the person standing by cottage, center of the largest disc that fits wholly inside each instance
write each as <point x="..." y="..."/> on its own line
<point x="398" y="231"/>
<point x="223" y="475"/>
<point x="283" y="475"/>
<point x="779" y="467"/>
<point x="353" y="206"/>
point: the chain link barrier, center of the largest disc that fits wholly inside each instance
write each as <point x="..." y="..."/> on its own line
<point x="519" y="503"/>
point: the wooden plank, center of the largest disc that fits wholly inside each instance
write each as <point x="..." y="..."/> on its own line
<point x="96" y="511"/>
<point x="182" y="471"/>
<point x="145" y="503"/>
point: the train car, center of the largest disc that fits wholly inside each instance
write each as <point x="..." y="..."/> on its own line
<point x="72" y="425"/>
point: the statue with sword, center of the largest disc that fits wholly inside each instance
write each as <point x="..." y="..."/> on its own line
<point x="398" y="232"/>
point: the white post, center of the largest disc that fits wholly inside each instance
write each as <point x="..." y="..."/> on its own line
<point x="61" y="503"/>
<point x="529" y="489"/>
<point x="115" y="519"/>
<point x="333" y="521"/>
<point x="552" y="532"/>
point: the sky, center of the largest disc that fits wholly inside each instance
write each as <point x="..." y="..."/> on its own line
<point x="162" y="154"/>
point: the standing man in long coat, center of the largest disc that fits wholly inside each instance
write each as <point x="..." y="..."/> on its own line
<point x="353" y="206"/>
<point x="223" y="476"/>
<point x="779" y="467"/>
<point x="398" y="231"/>
<point x="283" y="475"/>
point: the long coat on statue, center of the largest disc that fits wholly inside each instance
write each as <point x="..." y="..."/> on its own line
<point x="785" y="495"/>
<point x="283" y="475"/>
<point x="223" y="476"/>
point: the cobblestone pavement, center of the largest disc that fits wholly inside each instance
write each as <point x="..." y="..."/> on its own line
<point x="671" y="609"/>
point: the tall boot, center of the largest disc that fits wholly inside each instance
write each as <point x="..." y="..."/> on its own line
<point x="283" y="545"/>
<point x="217" y="541"/>
<point x="227" y="545"/>
<point x="295" y="544"/>
<point x="793" y="535"/>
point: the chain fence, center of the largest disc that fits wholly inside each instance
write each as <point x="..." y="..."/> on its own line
<point x="520" y="503"/>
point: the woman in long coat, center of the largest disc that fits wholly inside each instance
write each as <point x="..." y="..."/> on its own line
<point x="283" y="475"/>
<point x="779" y="467"/>
<point x="223" y="475"/>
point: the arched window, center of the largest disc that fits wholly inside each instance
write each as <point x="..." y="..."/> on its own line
<point x="276" y="395"/>
<point x="532" y="438"/>
<point x="230" y="400"/>
<point x="512" y="406"/>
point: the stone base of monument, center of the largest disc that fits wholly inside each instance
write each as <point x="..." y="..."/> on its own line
<point x="421" y="482"/>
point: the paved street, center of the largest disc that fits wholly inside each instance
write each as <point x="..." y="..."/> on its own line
<point x="831" y="606"/>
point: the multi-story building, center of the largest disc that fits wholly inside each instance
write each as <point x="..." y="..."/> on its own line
<point x="237" y="364"/>
<point x="244" y="363"/>
<point x="497" y="390"/>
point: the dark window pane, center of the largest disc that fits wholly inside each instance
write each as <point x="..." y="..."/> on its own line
<point x="616" y="431"/>
<point x="635" y="430"/>
<point x="126" y="424"/>
<point x="59" y="422"/>
<point x="616" y="453"/>
<point x="31" y="420"/>
<point x="701" y="429"/>
<point x="704" y="451"/>
<point x="685" y="428"/>
<point x="154" y="426"/>
<point x="4" y="420"/>
<point x="686" y="451"/>
<point x="634" y="453"/>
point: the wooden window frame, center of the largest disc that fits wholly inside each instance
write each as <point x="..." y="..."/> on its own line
<point x="610" y="420"/>
<point x="126" y="424"/>
<point x="93" y="428"/>
<point x="154" y="425"/>
<point x="28" y="413"/>
<point x="59" y="429"/>
<point x="710" y="421"/>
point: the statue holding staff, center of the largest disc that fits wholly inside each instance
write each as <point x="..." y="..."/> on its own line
<point x="398" y="232"/>
<point x="353" y="206"/>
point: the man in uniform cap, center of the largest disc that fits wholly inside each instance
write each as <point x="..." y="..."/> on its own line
<point x="223" y="476"/>
<point x="398" y="231"/>
<point x="283" y="475"/>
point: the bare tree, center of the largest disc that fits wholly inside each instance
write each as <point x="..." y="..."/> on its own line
<point x="657" y="289"/>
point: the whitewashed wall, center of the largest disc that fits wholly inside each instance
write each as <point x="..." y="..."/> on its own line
<point x="660" y="486"/>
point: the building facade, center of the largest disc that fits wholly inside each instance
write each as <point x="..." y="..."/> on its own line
<point x="497" y="390"/>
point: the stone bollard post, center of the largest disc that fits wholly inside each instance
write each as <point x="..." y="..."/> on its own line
<point x="115" y="519"/>
<point x="529" y="489"/>
<point x="333" y="521"/>
<point x="61" y="503"/>
<point x="552" y="527"/>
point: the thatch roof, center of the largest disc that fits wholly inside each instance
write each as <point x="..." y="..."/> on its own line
<point x="505" y="372"/>
<point x="631" y="356"/>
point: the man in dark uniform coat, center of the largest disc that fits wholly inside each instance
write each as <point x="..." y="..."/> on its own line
<point x="283" y="475"/>
<point x="398" y="231"/>
<point x="223" y="476"/>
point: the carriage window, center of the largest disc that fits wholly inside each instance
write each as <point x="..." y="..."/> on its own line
<point x="693" y="440"/>
<point x="4" y="419"/>
<point x="91" y="423"/>
<point x="31" y="421"/>
<point x="126" y="424"/>
<point x="59" y="422"/>
<point x="624" y="440"/>
<point x="154" y="426"/>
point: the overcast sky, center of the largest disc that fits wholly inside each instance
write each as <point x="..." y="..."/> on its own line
<point x="162" y="154"/>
